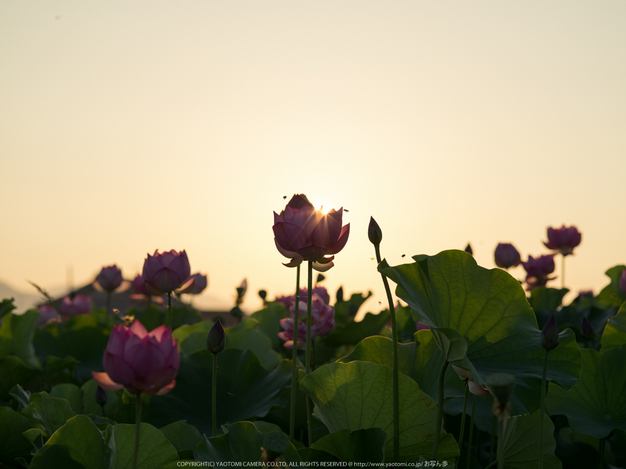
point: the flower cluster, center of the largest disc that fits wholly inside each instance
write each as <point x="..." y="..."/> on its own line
<point x="322" y="321"/>
<point x="538" y="270"/>
<point x="76" y="306"/>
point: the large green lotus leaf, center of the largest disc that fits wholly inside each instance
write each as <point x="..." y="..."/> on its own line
<point x="358" y="395"/>
<point x="12" y="443"/>
<point x="77" y="444"/>
<point x="269" y="323"/>
<point x="248" y="336"/>
<point x="520" y="442"/>
<point x="183" y="436"/>
<point x="16" y="336"/>
<point x="244" y="390"/>
<point x="358" y="446"/>
<point x="82" y="337"/>
<point x="354" y="332"/>
<point x="71" y="393"/>
<point x="612" y="295"/>
<point x="154" y="448"/>
<point x="14" y="371"/>
<point x="192" y="337"/>
<point x="597" y="403"/>
<point x="490" y="311"/>
<point x="547" y="299"/>
<point x="241" y="442"/>
<point x="405" y="324"/>
<point x="345" y="311"/>
<point x="50" y="413"/>
<point x="615" y="331"/>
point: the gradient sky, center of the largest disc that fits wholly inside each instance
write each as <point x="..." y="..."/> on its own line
<point x="127" y="127"/>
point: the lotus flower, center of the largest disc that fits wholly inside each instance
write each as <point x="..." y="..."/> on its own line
<point x="138" y="361"/>
<point x="538" y="270"/>
<point x="506" y="256"/>
<point x="195" y="285"/>
<point x="47" y="314"/>
<point x="322" y="321"/>
<point x="303" y="233"/>
<point x="563" y="239"/>
<point x="165" y="272"/>
<point x="74" y="307"/>
<point x="109" y="278"/>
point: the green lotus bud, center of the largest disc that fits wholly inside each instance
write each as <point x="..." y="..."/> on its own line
<point x="586" y="329"/>
<point x="339" y="294"/>
<point x="374" y="233"/>
<point x="216" y="340"/>
<point x="468" y="249"/>
<point x="101" y="396"/>
<point x="263" y="294"/>
<point x="550" y="334"/>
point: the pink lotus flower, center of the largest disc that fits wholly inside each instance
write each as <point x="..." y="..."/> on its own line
<point x="164" y="273"/>
<point x="75" y="307"/>
<point x="563" y="239"/>
<point x="506" y="256"/>
<point x="304" y="233"/>
<point x="47" y="314"/>
<point x="109" y="278"/>
<point x="468" y="376"/>
<point x="538" y="270"/>
<point x="288" y="301"/>
<point x="138" y="361"/>
<point x="195" y="285"/>
<point x="322" y="321"/>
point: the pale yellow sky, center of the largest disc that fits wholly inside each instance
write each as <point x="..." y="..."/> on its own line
<point x="127" y="127"/>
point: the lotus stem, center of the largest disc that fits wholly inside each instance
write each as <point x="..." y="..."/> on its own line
<point x="471" y="434"/>
<point x="214" y="395"/>
<point x="168" y="314"/>
<point x="137" y="428"/>
<point x="396" y="372"/>
<point x="562" y="270"/>
<point x="501" y="428"/>
<point x="543" y="407"/>
<point x="108" y="304"/>
<point x="601" y="453"/>
<point x="294" y="361"/>
<point x="493" y="438"/>
<point x="309" y="410"/>
<point x="442" y="376"/>
<point x="463" y="415"/>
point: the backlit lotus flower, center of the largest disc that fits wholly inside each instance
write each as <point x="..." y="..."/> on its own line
<point x="195" y="285"/>
<point x="538" y="270"/>
<point x="139" y="285"/>
<point x="287" y="333"/>
<point x="75" y="307"/>
<point x="506" y="256"/>
<point x="165" y="272"/>
<point x="109" y="278"/>
<point x="477" y="389"/>
<point x="47" y="314"/>
<point x="303" y="233"/>
<point x="322" y="316"/>
<point x="563" y="239"/>
<point x="138" y="361"/>
<point x="289" y="300"/>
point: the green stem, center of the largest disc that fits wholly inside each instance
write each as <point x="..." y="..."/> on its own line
<point x="463" y="415"/>
<point x="469" y="444"/>
<point x="442" y="376"/>
<point x="562" y="270"/>
<point x="294" y="361"/>
<point x="168" y="315"/>
<point x="214" y="395"/>
<point x="493" y="438"/>
<point x="601" y="451"/>
<point x="396" y="373"/>
<point x="108" y="304"/>
<point x="137" y="428"/>
<point x="501" y="428"/>
<point x="543" y="408"/>
<point x="309" y="410"/>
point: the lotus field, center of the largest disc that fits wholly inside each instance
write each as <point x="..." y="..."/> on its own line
<point x="473" y="368"/>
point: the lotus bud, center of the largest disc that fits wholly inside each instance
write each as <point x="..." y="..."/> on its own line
<point x="320" y="278"/>
<point x="477" y="389"/>
<point x="550" y="334"/>
<point x="263" y="294"/>
<point x="468" y="249"/>
<point x="586" y="329"/>
<point x="374" y="233"/>
<point x="501" y="385"/>
<point x="216" y="339"/>
<point x="101" y="396"/>
<point x="339" y="294"/>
